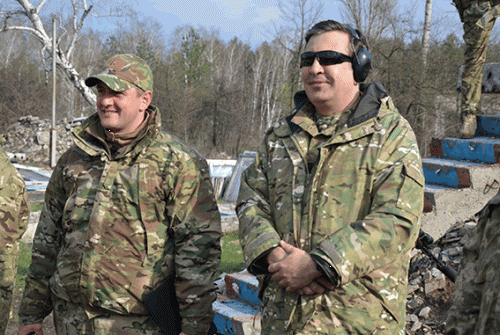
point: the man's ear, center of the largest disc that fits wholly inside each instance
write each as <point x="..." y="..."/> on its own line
<point x="146" y="98"/>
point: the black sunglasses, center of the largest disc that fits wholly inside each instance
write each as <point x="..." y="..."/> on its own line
<point x="326" y="57"/>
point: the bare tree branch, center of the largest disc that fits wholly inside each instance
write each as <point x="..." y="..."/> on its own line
<point x="297" y="16"/>
<point x="40" y="5"/>
<point x="372" y="17"/>
<point x="67" y="41"/>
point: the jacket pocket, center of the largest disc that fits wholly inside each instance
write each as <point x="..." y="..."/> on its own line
<point x="158" y="235"/>
<point x="152" y="211"/>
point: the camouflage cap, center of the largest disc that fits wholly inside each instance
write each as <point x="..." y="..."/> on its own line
<point x="122" y="72"/>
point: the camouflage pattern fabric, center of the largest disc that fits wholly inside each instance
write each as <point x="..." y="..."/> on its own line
<point x="122" y="72"/>
<point x="358" y="208"/>
<point x="476" y="297"/>
<point x="478" y="18"/>
<point x="114" y="227"/>
<point x="14" y="217"/>
<point x="73" y="319"/>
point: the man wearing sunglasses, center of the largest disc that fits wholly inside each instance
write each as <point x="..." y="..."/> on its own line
<point x="330" y="209"/>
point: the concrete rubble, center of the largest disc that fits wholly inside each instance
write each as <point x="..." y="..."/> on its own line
<point x="429" y="290"/>
<point x="27" y="140"/>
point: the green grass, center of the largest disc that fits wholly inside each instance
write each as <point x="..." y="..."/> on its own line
<point x="36" y="206"/>
<point x="232" y="256"/>
<point x="24" y="260"/>
<point x="23" y="264"/>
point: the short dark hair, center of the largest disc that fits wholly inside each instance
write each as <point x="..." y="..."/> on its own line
<point x="355" y="37"/>
<point x="139" y="91"/>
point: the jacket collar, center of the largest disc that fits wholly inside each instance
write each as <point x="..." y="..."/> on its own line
<point x="93" y="145"/>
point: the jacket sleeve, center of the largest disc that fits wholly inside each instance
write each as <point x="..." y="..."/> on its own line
<point x="197" y="230"/>
<point x="475" y="303"/>
<point x="256" y="228"/>
<point x="14" y="216"/>
<point x="391" y="225"/>
<point x="36" y="302"/>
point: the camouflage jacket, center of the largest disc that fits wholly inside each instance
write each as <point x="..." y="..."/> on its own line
<point x="358" y="209"/>
<point x="14" y="216"/>
<point x="476" y="298"/>
<point x="113" y="228"/>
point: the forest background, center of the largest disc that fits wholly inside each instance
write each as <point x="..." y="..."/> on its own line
<point x="221" y="96"/>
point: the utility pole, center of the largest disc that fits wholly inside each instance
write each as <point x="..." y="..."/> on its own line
<point x="53" y="135"/>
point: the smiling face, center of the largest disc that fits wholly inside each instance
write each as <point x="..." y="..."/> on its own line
<point x="330" y="88"/>
<point x="121" y="112"/>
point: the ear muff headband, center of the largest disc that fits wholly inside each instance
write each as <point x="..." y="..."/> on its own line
<point x="362" y="60"/>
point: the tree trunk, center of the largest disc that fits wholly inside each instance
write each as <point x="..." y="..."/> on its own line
<point x="426" y="34"/>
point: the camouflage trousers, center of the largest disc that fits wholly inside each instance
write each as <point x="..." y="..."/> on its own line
<point x="5" y="305"/>
<point x="72" y="319"/>
<point x="8" y="269"/>
<point x="476" y="37"/>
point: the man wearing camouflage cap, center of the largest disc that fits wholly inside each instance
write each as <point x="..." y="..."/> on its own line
<point x="478" y="18"/>
<point x="14" y="216"/>
<point x="128" y="207"/>
<point x="330" y="209"/>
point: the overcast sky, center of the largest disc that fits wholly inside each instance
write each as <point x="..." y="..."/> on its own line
<point x="249" y="20"/>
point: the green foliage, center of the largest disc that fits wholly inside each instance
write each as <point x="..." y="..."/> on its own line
<point x="146" y="51"/>
<point x="194" y="63"/>
<point x="284" y="98"/>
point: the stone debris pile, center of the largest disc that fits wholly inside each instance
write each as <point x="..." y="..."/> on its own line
<point x="429" y="290"/>
<point x="28" y="139"/>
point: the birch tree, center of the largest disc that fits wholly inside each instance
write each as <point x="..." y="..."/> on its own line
<point x="27" y="17"/>
<point x="269" y="93"/>
<point x="426" y="34"/>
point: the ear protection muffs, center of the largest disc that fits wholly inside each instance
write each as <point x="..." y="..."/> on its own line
<point x="362" y="60"/>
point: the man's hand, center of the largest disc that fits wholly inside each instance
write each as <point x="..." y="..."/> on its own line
<point x="318" y="286"/>
<point x="295" y="271"/>
<point x="325" y="283"/>
<point x="312" y="289"/>
<point x="30" y="329"/>
<point x="276" y="255"/>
